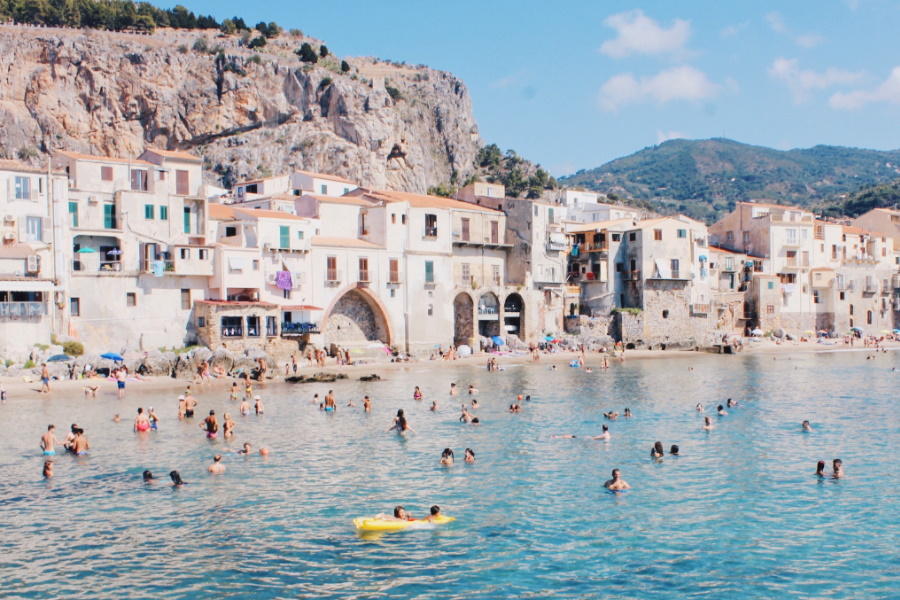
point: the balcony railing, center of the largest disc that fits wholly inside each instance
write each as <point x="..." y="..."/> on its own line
<point x="23" y="309"/>
<point x="299" y="328"/>
<point x="699" y="309"/>
<point x="394" y="278"/>
<point x="598" y="247"/>
<point x="232" y="332"/>
<point x="631" y="275"/>
<point x="333" y="276"/>
<point x="487" y="310"/>
<point x="870" y="287"/>
<point x="431" y="232"/>
<point x="555" y="247"/>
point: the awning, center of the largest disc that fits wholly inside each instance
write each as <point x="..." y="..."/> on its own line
<point x="300" y="307"/>
<point x="663" y="269"/>
<point x="20" y="285"/>
<point x="237" y="262"/>
<point x="558" y="238"/>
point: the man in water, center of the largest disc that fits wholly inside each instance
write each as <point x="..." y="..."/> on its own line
<point x="217" y="468"/>
<point x="616" y="483"/>
<point x="190" y="403"/>
<point x="722" y="411"/>
<point x="707" y="424"/>
<point x="605" y="435"/>
<point x="454" y="391"/>
<point x="80" y="445"/>
<point x="807" y="426"/>
<point x="838" y="467"/>
<point x="330" y="404"/>
<point x="435" y="514"/>
<point x="367" y="404"/>
<point x="48" y="441"/>
<point x="210" y="425"/>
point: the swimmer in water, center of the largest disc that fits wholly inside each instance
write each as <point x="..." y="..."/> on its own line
<point x="210" y="425"/>
<point x="435" y="514"/>
<point x="399" y="424"/>
<point x="228" y="426"/>
<point x="616" y="483"/>
<point x="244" y="407"/>
<point x="315" y="399"/>
<point x="674" y="450"/>
<point x="627" y="413"/>
<point x="367" y="404"/>
<point x="465" y="417"/>
<point x="657" y="451"/>
<point x="612" y="416"/>
<point x="722" y="411"/>
<point x="217" y="468"/>
<point x="245" y="451"/>
<point x="605" y="435"/>
<point x="837" y="468"/>
<point x="434" y="406"/>
<point x="707" y="424"/>
<point x="731" y="403"/>
<point x="259" y="406"/>
<point x="400" y="514"/>
<point x="48" y="469"/>
<point x="820" y="469"/>
<point x="330" y="403"/>
<point x="699" y="407"/>
<point x="806" y="426"/>
<point x="48" y="441"/>
<point x="470" y="456"/>
<point x="472" y="390"/>
<point x="148" y="476"/>
<point x="454" y="391"/>
<point x="417" y="394"/>
<point x="474" y="403"/>
<point x="176" y="479"/>
<point x="447" y="457"/>
<point x="567" y="436"/>
<point x="141" y="422"/>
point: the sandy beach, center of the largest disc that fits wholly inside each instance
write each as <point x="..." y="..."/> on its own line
<point x="17" y="388"/>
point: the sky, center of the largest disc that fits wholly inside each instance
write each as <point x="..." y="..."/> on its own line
<point x="574" y="84"/>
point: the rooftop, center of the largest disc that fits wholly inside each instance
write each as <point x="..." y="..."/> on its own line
<point x="14" y="165"/>
<point x="424" y="201"/>
<point x="319" y="240"/>
<point x="325" y="176"/>
<point x="260" y="213"/>
<point x="115" y="159"/>
<point x="175" y="154"/>
<point x="220" y="212"/>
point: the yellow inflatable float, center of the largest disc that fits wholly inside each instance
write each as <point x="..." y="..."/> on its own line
<point x="374" y="524"/>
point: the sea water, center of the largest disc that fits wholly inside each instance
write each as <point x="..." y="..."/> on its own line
<point x="739" y="514"/>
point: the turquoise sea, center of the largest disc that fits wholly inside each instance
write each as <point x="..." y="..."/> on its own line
<point x="739" y="514"/>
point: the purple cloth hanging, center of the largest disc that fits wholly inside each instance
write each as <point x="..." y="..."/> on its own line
<point x="283" y="280"/>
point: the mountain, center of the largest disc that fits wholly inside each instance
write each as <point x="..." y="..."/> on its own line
<point x="249" y="107"/>
<point x="705" y="178"/>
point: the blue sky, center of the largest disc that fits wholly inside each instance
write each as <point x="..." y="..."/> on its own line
<point x="572" y="85"/>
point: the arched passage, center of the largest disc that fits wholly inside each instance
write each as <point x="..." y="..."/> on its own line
<point x="356" y="317"/>
<point x="514" y="315"/>
<point x="488" y="315"/>
<point x="463" y="319"/>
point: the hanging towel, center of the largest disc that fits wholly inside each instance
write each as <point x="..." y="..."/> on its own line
<point x="158" y="267"/>
<point x="283" y="280"/>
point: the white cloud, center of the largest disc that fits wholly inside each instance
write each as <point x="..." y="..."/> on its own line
<point x="807" y="40"/>
<point x="664" y="136"/>
<point x="888" y="92"/>
<point x="802" y="82"/>
<point x="678" y="83"/>
<point x="639" y="34"/>
<point x="504" y="82"/>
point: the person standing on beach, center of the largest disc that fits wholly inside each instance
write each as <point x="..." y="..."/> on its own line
<point x="45" y="379"/>
<point x="120" y="381"/>
<point x="294" y="362"/>
<point x="48" y="441"/>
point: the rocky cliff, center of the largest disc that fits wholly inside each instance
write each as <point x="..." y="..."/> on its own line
<point x="247" y="112"/>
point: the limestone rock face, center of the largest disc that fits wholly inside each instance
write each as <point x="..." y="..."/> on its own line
<point x="248" y="113"/>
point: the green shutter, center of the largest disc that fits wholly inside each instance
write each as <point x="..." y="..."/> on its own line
<point x="429" y="271"/>
<point x="73" y="210"/>
<point x="187" y="220"/>
<point x="285" y="241"/>
<point x="164" y="213"/>
<point x="109" y="216"/>
<point x="148" y="211"/>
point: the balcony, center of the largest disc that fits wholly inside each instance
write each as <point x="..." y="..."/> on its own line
<point x="555" y="246"/>
<point x="598" y="247"/>
<point x="232" y="332"/>
<point x="393" y="279"/>
<point x="430" y="232"/>
<point x="363" y="277"/>
<point x="870" y="287"/>
<point x="699" y="310"/>
<point x="23" y="309"/>
<point x="631" y="275"/>
<point x="298" y="329"/>
<point x="333" y="277"/>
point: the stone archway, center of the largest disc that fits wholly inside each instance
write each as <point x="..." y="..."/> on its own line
<point x="356" y="318"/>
<point x="463" y="319"/>
<point x="514" y="316"/>
<point x="488" y="315"/>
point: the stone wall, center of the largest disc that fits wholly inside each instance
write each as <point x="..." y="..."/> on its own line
<point x="628" y="329"/>
<point x="353" y="320"/>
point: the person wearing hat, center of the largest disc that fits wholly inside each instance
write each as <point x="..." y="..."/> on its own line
<point x="153" y="419"/>
<point x="181" y="407"/>
<point x="258" y="405"/>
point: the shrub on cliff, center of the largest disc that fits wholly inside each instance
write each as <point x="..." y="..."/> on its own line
<point x="307" y="54"/>
<point x="73" y="348"/>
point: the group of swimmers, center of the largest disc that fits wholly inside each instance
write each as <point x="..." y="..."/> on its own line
<point x="74" y="443"/>
<point x="447" y="457"/>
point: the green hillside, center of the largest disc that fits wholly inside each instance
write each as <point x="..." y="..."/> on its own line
<point x="704" y="178"/>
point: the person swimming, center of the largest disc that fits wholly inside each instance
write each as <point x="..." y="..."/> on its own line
<point x="806" y="426"/>
<point x="611" y="415"/>
<point x="417" y="394"/>
<point x="470" y="456"/>
<point x="400" y="514"/>
<point x="674" y="450"/>
<point x="48" y="469"/>
<point x="699" y="407"/>
<point x="399" y="424"/>
<point x="837" y="468"/>
<point x="627" y="413"/>
<point x="435" y="514"/>
<point x="447" y="457"/>
<point x="176" y="479"/>
<point x="721" y="411"/>
<point x="474" y="403"/>
<point x="707" y="424"/>
<point x="657" y="450"/>
<point x="148" y="476"/>
<point x="616" y="483"/>
<point x="605" y="435"/>
<point x="820" y="469"/>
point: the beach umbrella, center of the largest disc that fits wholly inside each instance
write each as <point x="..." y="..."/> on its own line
<point x="756" y="332"/>
<point x="59" y="358"/>
<point x="86" y="250"/>
<point x="114" y="252"/>
<point x="464" y="350"/>
<point x="112" y="356"/>
<point x="859" y="329"/>
<point x="548" y="338"/>
<point x="498" y="340"/>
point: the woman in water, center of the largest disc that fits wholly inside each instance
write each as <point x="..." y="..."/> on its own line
<point x="176" y="479"/>
<point x="417" y="395"/>
<point x="707" y="424"/>
<point x="447" y="457"/>
<point x="657" y="450"/>
<point x="820" y="469"/>
<point x="627" y="413"/>
<point x="228" y="426"/>
<point x="470" y="456"/>
<point x="245" y="407"/>
<point x="235" y="391"/>
<point x="154" y="420"/>
<point x="141" y="422"/>
<point x="434" y="405"/>
<point x="400" y="425"/>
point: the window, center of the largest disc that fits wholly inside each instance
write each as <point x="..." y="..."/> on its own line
<point x="496" y="273"/>
<point x="164" y="213"/>
<point x="185" y="299"/>
<point x="73" y="214"/>
<point x="729" y="263"/>
<point x="394" y="271"/>
<point x="729" y="237"/>
<point x="109" y="216"/>
<point x="431" y="310"/>
<point x="746" y="238"/>
<point x="771" y="285"/>
<point x="393" y="218"/>
<point x="550" y="216"/>
<point x="106" y="174"/>
<point x="23" y="188"/>
<point x="271" y="327"/>
<point x="682" y="233"/>
<point x="130" y="299"/>
<point x="182" y="183"/>
<point x="363" y="269"/>
<point x="139" y="180"/>
<point x="430" y="225"/>
<point x="324" y="190"/>
<point x="770" y="309"/>
<point x="674" y="263"/>
<point x="535" y="210"/>
<point x="201" y="321"/>
<point x="255" y="264"/>
<point x="495" y="231"/>
<point x="331" y="268"/>
<point x="34" y="229"/>
<point x="429" y="271"/>
<point x="364" y="223"/>
<point x="162" y="175"/>
<point x="790" y="236"/>
<point x="665" y="314"/>
<point x="149" y="211"/>
<point x="232" y="327"/>
<point x="816" y="299"/>
<point x="620" y="267"/>
<point x="230" y="231"/>
<point x="185" y="253"/>
<point x="617" y="237"/>
<point x="834" y="252"/>
<point x="75" y="307"/>
<point x="187" y="220"/>
<point x="253" y="326"/>
<point x="842" y="296"/>
<point x="300" y="235"/>
<point x="403" y="219"/>
<point x="465" y="230"/>
<point x="657" y="235"/>
<point x="632" y="237"/>
<point x="805" y="258"/>
<point x="851" y="309"/>
<point x="466" y="273"/>
<point x="284" y="237"/>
